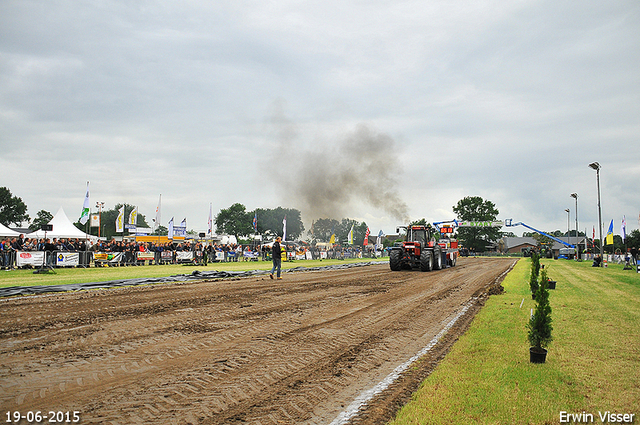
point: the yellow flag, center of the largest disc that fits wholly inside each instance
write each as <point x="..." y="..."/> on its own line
<point x="609" y="239"/>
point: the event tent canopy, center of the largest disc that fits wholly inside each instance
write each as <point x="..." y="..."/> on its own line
<point x="5" y="231"/>
<point x="62" y="228"/>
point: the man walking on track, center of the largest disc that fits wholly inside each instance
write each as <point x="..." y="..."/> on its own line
<point x="276" y="255"/>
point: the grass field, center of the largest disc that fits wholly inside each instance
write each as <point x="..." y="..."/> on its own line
<point x="26" y="277"/>
<point x="593" y="364"/>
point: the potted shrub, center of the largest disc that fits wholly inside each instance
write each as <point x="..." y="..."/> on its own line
<point x="551" y="284"/>
<point x="540" y="325"/>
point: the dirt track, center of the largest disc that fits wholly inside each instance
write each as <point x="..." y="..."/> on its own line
<point x="249" y="350"/>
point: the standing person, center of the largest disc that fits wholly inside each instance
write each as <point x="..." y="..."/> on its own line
<point x="276" y="256"/>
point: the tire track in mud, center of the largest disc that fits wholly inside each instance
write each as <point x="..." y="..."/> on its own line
<point x="242" y="351"/>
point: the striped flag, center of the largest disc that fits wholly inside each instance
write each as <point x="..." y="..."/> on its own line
<point x="366" y="238"/>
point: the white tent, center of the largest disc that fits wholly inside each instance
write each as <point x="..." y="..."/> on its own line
<point x="6" y="232"/>
<point x="62" y="228"/>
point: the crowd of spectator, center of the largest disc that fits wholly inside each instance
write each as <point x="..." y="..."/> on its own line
<point x="126" y="252"/>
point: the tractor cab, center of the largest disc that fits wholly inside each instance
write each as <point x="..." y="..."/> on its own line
<point x="418" y="235"/>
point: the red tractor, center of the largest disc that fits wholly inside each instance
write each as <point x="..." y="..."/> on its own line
<point x="420" y="250"/>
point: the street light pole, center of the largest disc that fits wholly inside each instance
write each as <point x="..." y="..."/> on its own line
<point x="575" y="195"/>
<point x="596" y="167"/>
<point x="99" y="205"/>
<point x="568" y="211"/>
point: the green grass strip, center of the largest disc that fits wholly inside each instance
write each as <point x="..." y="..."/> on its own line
<point x="593" y="364"/>
<point x="26" y="277"/>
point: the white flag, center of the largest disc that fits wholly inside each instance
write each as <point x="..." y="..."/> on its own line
<point x="133" y="216"/>
<point x="351" y="236"/>
<point x="84" y="217"/>
<point x="120" y="220"/>
<point x="157" y="221"/>
<point x="379" y="240"/>
<point x="210" y="223"/>
<point x="623" y="228"/>
<point x="170" y="233"/>
<point x="284" y="228"/>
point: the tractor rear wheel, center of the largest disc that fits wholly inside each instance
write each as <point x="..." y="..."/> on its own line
<point x="437" y="263"/>
<point x="426" y="261"/>
<point x="395" y="260"/>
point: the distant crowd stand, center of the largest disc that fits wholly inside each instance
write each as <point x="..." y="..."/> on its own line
<point x="21" y="252"/>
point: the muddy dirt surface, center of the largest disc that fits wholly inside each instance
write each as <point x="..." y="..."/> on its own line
<point x="251" y="350"/>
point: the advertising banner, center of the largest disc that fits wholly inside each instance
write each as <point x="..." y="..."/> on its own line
<point x="67" y="259"/>
<point x="29" y="258"/>
<point x="250" y="254"/>
<point x="144" y="256"/>
<point x="179" y="232"/>
<point x="184" y="255"/>
<point x="497" y="223"/>
<point x="111" y="257"/>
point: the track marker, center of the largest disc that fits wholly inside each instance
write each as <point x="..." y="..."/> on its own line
<point x="367" y="395"/>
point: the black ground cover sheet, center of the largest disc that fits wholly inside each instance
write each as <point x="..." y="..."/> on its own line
<point x="195" y="275"/>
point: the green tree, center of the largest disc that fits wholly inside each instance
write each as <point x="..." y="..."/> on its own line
<point x="474" y="208"/>
<point x="161" y="231"/>
<point x="618" y="245"/>
<point x="535" y="271"/>
<point x="421" y="222"/>
<point x="344" y="227"/>
<point x="42" y="217"/>
<point x="633" y="239"/>
<point x="12" y="209"/>
<point x="322" y="229"/>
<point x="540" y="323"/>
<point x="342" y="232"/>
<point x="234" y="220"/>
<point x="271" y="221"/>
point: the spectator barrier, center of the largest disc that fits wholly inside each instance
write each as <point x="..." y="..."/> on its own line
<point x="162" y="255"/>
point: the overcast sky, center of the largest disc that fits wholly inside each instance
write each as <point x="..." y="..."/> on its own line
<point x="379" y="111"/>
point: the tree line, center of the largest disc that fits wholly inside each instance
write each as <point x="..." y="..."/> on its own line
<point x="238" y="221"/>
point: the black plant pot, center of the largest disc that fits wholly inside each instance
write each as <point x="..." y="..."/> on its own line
<point x="551" y="284"/>
<point x="537" y="355"/>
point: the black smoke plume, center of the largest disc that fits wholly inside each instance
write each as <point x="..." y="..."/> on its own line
<point x="336" y="177"/>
